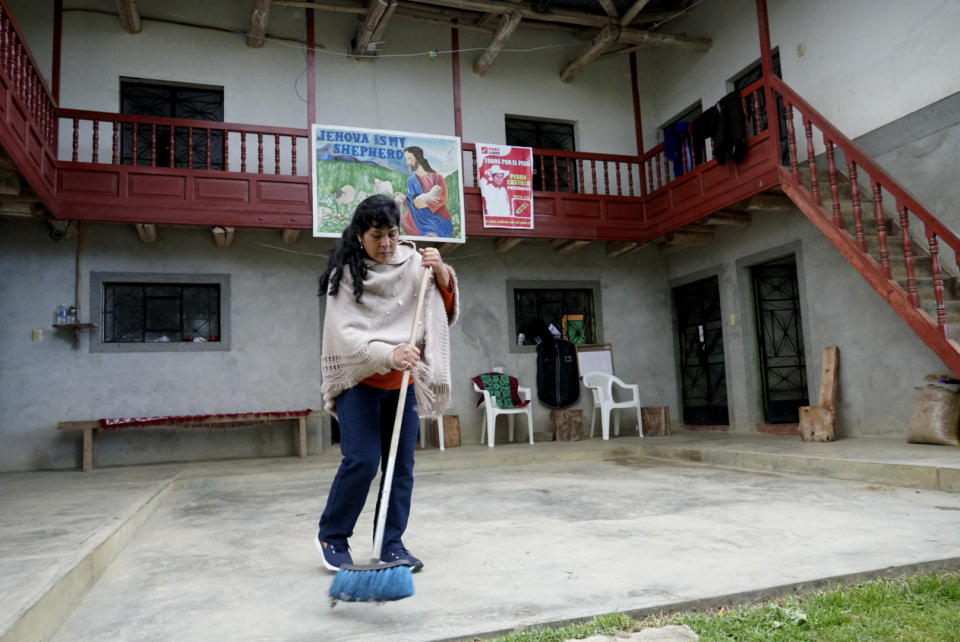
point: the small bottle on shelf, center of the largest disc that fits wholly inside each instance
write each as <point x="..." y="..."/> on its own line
<point x="72" y="314"/>
<point x="60" y="317"/>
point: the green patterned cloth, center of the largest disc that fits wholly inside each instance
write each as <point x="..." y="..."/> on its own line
<point x="502" y="387"/>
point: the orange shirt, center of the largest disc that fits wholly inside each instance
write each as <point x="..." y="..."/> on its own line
<point x="394" y="379"/>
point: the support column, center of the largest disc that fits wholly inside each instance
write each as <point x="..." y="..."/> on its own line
<point x="311" y="73"/>
<point x="455" y="61"/>
<point x="766" y="64"/>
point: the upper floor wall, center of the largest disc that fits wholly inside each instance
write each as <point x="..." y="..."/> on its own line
<point x="861" y="63"/>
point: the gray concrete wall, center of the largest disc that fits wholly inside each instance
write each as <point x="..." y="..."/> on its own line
<point x="881" y="359"/>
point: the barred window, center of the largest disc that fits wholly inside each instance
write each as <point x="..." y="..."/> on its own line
<point x="569" y="310"/>
<point x="160" y="312"/>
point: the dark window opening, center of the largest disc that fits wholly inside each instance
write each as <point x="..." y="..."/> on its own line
<point x="153" y="144"/>
<point x="549" y="172"/>
<point x="677" y="143"/>
<point x="570" y="312"/>
<point x="160" y="312"/>
<point x="756" y="113"/>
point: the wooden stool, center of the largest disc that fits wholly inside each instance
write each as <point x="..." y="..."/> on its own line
<point x="567" y="425"/>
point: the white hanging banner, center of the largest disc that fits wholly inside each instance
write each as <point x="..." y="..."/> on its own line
<point x="505" y="178"/>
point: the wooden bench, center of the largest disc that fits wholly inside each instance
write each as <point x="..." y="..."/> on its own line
<point x="90" y="428"/>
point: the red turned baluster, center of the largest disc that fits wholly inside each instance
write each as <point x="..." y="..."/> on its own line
<point x="226" y="151"/>
<point x="580" y="174"/>
<point x="293" y="155"/>
<point x="135" y="146"/>
<point x="189" y="147"/>
<point x="648" y="175"/>
<point x="276" y="153"/>
<point x="473" y="163"/>
<point x="116" y="143"/>
<point x="543" y="174"/>
<point x="834" y="186"/>
<point x="630" y="178"/>
<point x="756" y="112"/>
<point x="881" y="230"/>
<point x="208" y="147"/>
<point x="260" y="152"/>
<point x="792" y="143"/>
<point x="95" y="157"/>
<point x="593" y="174"/>
<point x="556" y="175"/>
<point x="76" y="139"/>
<point x="619" y="191"/>
<point x="153" y="145"/>
<point x="172" y="146"/>
<point x="606" y="177"/>
<point x="857" y="214"/>
<point x="659" y="162"/>
<point x="942" y="322"/>
<point x="907" y="243"/>
<point x="569" y="176"/>
<point x="812" y="163"/>
<point x="243" y="152"/>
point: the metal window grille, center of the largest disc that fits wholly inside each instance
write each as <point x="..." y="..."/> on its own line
<point x="160" y="312"/>
<point x="546" y="134"/>
<point x="571" y="311"/>
<point x="171" y="101"/>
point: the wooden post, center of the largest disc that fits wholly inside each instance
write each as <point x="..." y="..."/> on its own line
<point x="819" y="423"/>
<point x="88" y="436"/>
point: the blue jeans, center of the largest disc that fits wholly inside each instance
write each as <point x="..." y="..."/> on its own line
<point x="366" y="417"/>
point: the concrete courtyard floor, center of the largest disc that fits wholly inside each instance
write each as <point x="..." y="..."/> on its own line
<point x="513" y="536"/>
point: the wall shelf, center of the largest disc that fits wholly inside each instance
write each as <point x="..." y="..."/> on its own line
<point x="76" y="327"/>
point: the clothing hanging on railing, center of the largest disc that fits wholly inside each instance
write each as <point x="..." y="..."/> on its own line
<point x="731" y="139"/>
<point x="676" y="146"/>
<point x="703" y="127"/>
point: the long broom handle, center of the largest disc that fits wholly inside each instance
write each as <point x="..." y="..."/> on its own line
<point x="397" y="421"/>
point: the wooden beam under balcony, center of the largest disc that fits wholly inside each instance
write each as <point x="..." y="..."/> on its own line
<point x="129" y="16"/>
<point x="507" y="27"/>
<point x="449" y="248"/>
<point x="728" y="218"/>
<point x="9" y="183"/>
<point x="290" y="236"/>
<point x="622" y="248"/>
<point x="371" y="29"/>
<point x="222" y="236"/>
<point x="610" y="8"/>
<point x="506" y="243"/>
<point x="607" y="36"/>
<point x="259" y="18"/>
<point x="632" y="12"/>
<point x="568" y="246"/>
<point x="146" y="231"/>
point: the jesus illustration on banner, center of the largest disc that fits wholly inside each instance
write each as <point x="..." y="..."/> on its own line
<point x="426" y="213"/>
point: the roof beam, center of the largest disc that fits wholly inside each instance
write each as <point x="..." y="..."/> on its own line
<point x="371" y="29"/>
<point x="259" y="18"/>
<point x="289" y="236"/>
<point x="146" y="231"/>
<point x="610" y="8"/>
<point x="506" y="243"/>
<point x="632" y="12"/>
<point x="129" y="15"/>
<point x="222" y="236"/>
<point x="607" y="36"/>
<point x="622" y="248"/>
<point x="507" y="27"/>
<point x="568" y="246"/>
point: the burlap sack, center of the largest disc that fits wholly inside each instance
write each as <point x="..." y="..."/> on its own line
<point x="936" y="416"/>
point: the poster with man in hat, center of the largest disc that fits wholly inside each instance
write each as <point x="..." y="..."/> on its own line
<point x="505" y="177"/>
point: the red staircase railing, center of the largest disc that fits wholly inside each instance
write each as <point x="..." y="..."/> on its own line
<point x="822" y="205"/>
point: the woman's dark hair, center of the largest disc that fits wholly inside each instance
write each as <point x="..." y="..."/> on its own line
<point x="376" y="211"/>
<point x="418" y="154"/>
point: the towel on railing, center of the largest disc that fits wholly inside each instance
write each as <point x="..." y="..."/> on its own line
<point x="502" y="387"/>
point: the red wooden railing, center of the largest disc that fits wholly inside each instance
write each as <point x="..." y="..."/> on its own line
<point x="199" y="144"/>
<point x="27" y="111"/>
<point x="802" y="183"/>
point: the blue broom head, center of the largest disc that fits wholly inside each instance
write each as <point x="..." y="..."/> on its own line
<point x="372" y="584"/>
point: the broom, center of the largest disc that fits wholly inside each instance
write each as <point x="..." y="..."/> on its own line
<point x="379" y="581"/>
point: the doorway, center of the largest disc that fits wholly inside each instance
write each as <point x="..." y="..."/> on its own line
<point x="783" y="370"/>
<point x="702" y="368"/>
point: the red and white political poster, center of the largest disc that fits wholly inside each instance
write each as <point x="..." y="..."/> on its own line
<point x="505" y="178"/>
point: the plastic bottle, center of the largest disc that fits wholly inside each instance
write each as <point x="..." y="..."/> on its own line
<point x="60" y="317"/>
<point x="72" y="314"/>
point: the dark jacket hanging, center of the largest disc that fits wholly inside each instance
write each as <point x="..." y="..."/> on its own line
<point x="731" y="140"/>
<point x="558" y="377"/>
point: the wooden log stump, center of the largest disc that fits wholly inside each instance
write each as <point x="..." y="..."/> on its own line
<point x="819" y="423"/>
<point x="656" y="421"/>
<point x="567" y="425"/>
<point x="451" y="431"/>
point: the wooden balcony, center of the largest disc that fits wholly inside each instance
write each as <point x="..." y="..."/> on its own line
<point x="100" y="166"/>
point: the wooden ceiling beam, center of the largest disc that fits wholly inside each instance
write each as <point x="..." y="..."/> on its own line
<point x="610" y="8"/>
<point x="259" y="18"/>
<point x="622" y="248"/>
<point x="447" y="249"/>
<point x="607" y="36"/>
<point x="632" y="12"/>
<point x="728" y="218"/>
<point x="374" y="24"/>
<point x="507" y="27"/>
<point x="568" y="246"/>
<point x="289" y="236"/>
<point x="129" y="16"/>
<point x="506" y="243"/>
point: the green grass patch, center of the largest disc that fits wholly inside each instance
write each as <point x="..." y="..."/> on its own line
<point x="918" y="608"/>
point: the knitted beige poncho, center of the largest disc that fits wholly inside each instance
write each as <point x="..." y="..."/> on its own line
<point x="359" y="339"/>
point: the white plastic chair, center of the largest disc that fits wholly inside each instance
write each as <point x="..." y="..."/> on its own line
<point x="492" y="411"/>
<point x="602" y="383"/>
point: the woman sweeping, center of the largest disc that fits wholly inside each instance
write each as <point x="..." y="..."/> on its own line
<point x="371" y="285"/>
